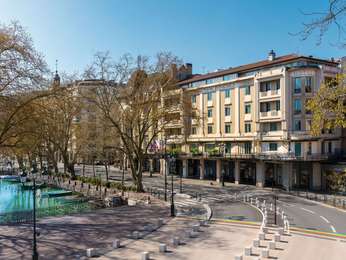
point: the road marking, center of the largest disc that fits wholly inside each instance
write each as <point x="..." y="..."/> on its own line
<point x="332" y="227"/>
<point x="326" y="220"/>
<point x="310" y="211"/>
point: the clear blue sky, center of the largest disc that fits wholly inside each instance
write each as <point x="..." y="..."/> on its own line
<point x="210" y="34"/>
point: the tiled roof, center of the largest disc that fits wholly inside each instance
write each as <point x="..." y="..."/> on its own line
<point x="256" y="65"/>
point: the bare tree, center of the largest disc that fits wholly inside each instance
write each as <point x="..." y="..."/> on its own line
<point x="130" y="100"/>
<point x="322" y="21"/>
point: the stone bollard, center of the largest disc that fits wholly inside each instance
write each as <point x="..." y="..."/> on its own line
<point x="251" y="201"/>
<point x="248" y="251"/>
<point x="282" y="214"/>
<point x="176" y="241"/>
<point x="192" y="234"/>
<point x="238" y="257"/>
<point x="256" y="243"/>
<point x="145" y="256"/>
<point x="272" y="245"/>
<point x="281" y="231"/>
<point x="162" y="248"/>
<point x="271" y="206"/>
<point x="135" y="235"/>
<point x="195" y="228"/>
<point x="160" y="222"/>
<point x="277" y="238"/>
<point x="265" y="253"/>
<point x="265" y="230"/>
<point x="91" y="252"/>
<point x="116" y="243"/>
<point x="261" y="236"/>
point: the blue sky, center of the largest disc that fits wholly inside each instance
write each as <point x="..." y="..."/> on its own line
<point x="210" y="34"/>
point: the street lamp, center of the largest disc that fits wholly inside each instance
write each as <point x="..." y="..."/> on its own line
<point x="34" y="249"/>
<point x="166" y="165"/>
<point x="172" y="188"/>
<point x="222" y="147"/>
<point x="123" y="177"/>
<point x="181" y="182"/>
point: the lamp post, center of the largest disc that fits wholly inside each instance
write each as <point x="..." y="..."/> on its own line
<point x="172" y="189"/>
<point x="34" y="248"/>
<point x="181" y="182"/>
<point x="222" y="147"/>
<point x="166" y="167"/>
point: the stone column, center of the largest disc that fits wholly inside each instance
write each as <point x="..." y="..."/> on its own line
<point x="316" y="176"/>
<point x="218" y="170"/>
<point x="236" y="172"/>
<point x="287" y="175"/>
<point x="151" y="166"/>
<point x="201" y="169"/>
<point x="185" y="168"/>
<point x="259" y="174"/>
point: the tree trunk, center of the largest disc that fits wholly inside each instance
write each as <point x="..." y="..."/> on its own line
<point x="106" y="167"/>
<point x="71" y="170"/>
<point x="94" y="169"/>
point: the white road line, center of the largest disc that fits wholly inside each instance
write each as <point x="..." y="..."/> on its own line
<point x="326" y="220"/>
<point x="332" y="227"/>
<point x="310" y="211"/>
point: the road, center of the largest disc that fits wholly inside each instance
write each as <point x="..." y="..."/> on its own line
<point x="301" y="213"/>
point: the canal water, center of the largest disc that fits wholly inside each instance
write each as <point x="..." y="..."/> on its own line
<point x="14" y="198"/>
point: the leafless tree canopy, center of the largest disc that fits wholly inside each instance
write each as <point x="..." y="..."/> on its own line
<point x="321" y="21"/>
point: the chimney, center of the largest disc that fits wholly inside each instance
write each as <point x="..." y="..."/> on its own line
<point x="271" y="55"/>
<point x="188" y="68"/>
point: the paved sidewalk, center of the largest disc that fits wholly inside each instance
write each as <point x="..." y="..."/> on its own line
<point x="215" y="241"/>
<point x="309" y="247"/>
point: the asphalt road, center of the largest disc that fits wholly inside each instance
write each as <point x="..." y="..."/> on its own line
<point x="301" y="213"/>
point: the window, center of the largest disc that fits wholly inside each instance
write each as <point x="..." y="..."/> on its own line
<point x="194" y="130"/>
<point x="265" y="107"/>
<point x="247" y="147"/>
<point x="210" y="129"/>
<point x="247" y="127"/>
<point x="247" y="90"/>
<point x="273" y="146"/>
<point x="297" y="106"/>
<point x="193" y="99"/>
<point x="227" y="93"/>
<point x="308" y="125"/>
<point x="297" y="125"/>
<point x="297" y="85"/>
<point x="329" y="147"/>
<point x="308" y="84"/>
<point x="274" y="126"/>
<point x="210" y="96"/>
<point x="309" y="148"/>
<point x="297" y="149"/>
<point x="247" y="108"/>
<point x="227" y="128"/>
<point x="227" y="111"/>
<point x="210" y="112"/>
<point x="277" y="105"/>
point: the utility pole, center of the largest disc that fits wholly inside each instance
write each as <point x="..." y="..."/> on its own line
<point x="172" y="198"/>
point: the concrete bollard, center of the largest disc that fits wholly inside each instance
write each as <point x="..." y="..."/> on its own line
<point x="160" y="222"/>
<point x="271" y="206"/>
<point x="261" y="236"/>
<point x="135" y="235"/>
<point x="116" y="243"/>
<point x="192" y="234"/>
<point x="256" y="243"/>
<point x="272" y="245"/>
<point x="91" y="252"/>
<point x="281" y="231"/>
<point x="265" y="230"/>
<point x="248" y="251"/>
<point x="162" y="248"/>
<point x="265" y="253"/>
<point x="238" y="257"/>
<point x="277" y="238"/>
<point x="195" y="228"/>
<point x="176" y="241"/>
<point x="145" y="256"/>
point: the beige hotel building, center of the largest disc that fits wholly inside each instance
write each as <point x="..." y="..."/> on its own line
<point x="252" y="126"/>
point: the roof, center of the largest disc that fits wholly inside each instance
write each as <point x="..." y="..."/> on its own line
<point x="256" y="65"/>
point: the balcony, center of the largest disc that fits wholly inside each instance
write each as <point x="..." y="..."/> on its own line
<point x="270" y="93"/>
<point x="270" y="114"/>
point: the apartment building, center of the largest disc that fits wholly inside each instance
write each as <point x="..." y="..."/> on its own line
<point x="253" y="127"/>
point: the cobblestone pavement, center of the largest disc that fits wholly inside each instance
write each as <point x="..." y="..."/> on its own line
<point x="67" y="237"/>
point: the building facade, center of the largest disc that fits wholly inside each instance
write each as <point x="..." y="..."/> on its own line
<point x="253" y="126"/>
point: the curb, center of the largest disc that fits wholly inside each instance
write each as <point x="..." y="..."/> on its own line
<point x="318" y="233"/>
